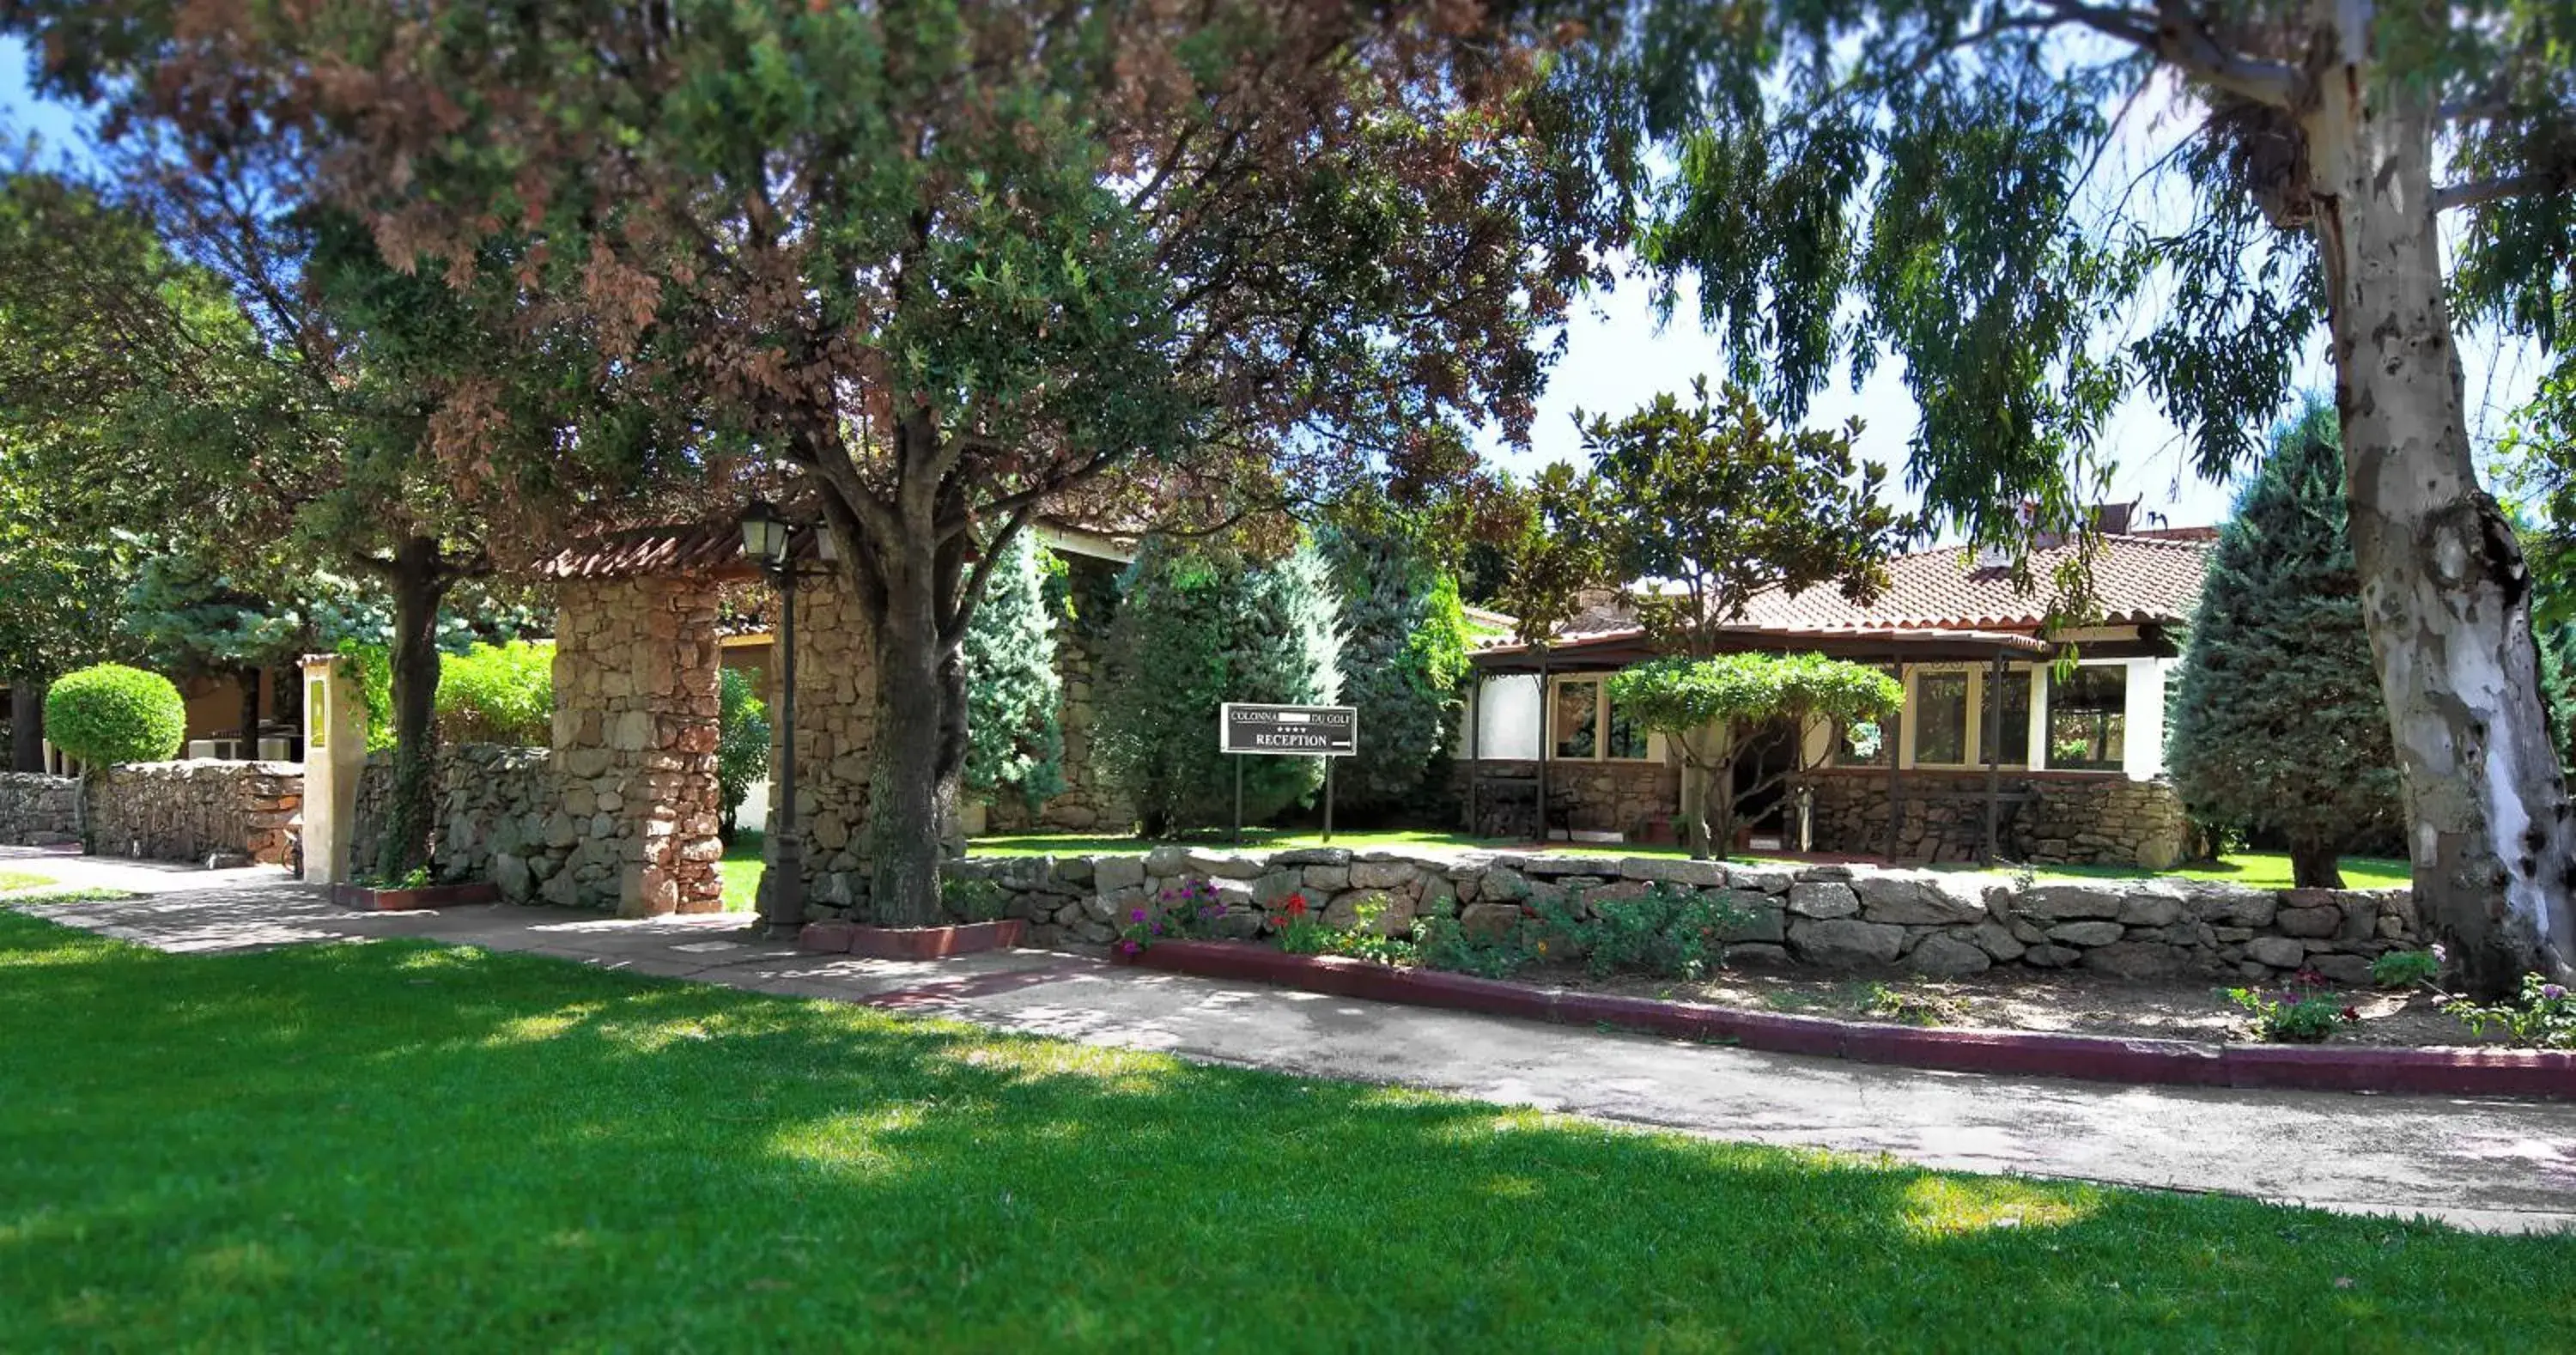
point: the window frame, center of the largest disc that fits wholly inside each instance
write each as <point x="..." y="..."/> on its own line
<point x="2118" y="762"/>
<point x="1600" y="684"/>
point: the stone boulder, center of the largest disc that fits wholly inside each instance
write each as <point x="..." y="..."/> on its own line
<point x="1919" y="898"/>
<point x="2059" y="902"/>
<point x="2280" y="952"/>
<point x="2136" y="960"/>
<point x="1845" y="942"/>
<point x="1823" y="900"/>
<point x="1671" y="870"/>
<point x="1946" y="958"/>
<point x="2085" y="933"/>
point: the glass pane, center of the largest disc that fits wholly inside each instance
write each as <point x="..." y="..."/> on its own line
<point x="2015" y="716"/>
<point x="2088" y="716"/>
<point x="1864" y="745"/>
<point x="1577" y="711"/>
<point x="1941" y="718"/>
<point x="1627" y="737"/>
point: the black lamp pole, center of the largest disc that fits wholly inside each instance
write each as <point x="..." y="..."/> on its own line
<point x="765" y="539"/>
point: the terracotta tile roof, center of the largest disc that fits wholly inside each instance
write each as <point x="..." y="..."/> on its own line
<point x="2136" y="579"/>
<point x="711" y="548"/>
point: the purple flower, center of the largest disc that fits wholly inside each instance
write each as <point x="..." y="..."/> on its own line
<point x="2439" y="953"/>
<point x="2551" y="992"/>
<point x="1129" y="947"/>
<point x="1136" y="916"/>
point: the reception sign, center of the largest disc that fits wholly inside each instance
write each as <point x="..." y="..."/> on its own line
<point x="1288" y="731"/>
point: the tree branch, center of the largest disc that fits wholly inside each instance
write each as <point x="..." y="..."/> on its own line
<point x="2178" y="37"/>
<point x="2531" y="183"/>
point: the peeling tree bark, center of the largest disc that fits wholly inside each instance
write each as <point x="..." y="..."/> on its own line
<point x="2444" y="588"/>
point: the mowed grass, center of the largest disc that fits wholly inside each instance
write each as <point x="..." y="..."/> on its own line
<point x="740" y="871"/>
<point x="13" y="880"/>
<point x="395" y="1146"/>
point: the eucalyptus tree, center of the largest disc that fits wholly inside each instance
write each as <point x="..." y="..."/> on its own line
<point x="1845" y="182"/>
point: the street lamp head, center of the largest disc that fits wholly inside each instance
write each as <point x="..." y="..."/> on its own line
<point x="764" y="533"/>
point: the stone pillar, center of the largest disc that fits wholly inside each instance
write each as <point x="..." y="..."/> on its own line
<point x="637" y="717"/>
<point x="836" y="692"/>
<point x="335" y="753"/>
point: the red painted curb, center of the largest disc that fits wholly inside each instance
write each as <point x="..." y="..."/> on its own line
<point x="935" y="943"/>
<point x="2423" y="1072"/>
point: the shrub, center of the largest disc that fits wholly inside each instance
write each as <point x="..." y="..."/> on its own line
<point x="973" y="898"/>
<point x="1194" y="632"/>
<point x="2405" y="968"/>
<point x="1669" y="930"/>
<point x="2545" y="1017"/>
<point x="742" y="745"/>
<point x="1014" y="741"/>
<point x="2299" y="1014"/>
<point x="502" y="694"/>
<point x="1444" y="944"/>
<point x="110" y="713"/>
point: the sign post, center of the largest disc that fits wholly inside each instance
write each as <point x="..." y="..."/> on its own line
<point x="1249" y="729"/>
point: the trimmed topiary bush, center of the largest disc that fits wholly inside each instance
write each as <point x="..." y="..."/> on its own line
<point x="502" y="694"/>
<point x="110" y="713"/>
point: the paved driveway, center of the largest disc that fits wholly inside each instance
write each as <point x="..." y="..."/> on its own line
<point x="2492" y="1164"/>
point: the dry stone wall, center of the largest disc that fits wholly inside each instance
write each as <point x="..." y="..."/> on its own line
<point x="497" y="815"/>
<point x="1629" y="798"/>
<point x="2063" y="819"/>
<point x="635" y="729"/>
<point x="1942" y="923"/>
<point x="193" y="811"/>
<point x="38" y="810"/>
<point x="836" y="693"/>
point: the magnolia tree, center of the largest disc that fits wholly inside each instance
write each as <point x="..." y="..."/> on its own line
<point x="1838" y="183"/>
<point x="1720" y="711"/>
<point x="947" y="263"/>
<point x="1696" y="508"/>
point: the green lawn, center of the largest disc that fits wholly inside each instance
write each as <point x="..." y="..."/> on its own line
<point x="19" y="879"/>
<point x="740" y="871"/>
<point x="394" y="1146"/>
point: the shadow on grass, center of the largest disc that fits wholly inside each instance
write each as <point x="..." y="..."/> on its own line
<point x="400" y="1146"/>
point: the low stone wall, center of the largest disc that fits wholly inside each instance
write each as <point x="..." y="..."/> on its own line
<point x="38" y="810"/>
<point x="2062" y="819"/>
<point x="1944" y="923"/>
<point x="189" y="811"/>
<point x="497" y="815"/>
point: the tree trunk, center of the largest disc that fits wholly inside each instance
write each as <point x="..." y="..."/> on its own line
<point x="27" y="725"/>
<point x="1699" y="780"/>
<point x="247" y="681"/>
<point x="2313" y="865"/>
<point x="417" y="584"/>
<point x="920" y="738"/>
<point x="2444" y="589"/>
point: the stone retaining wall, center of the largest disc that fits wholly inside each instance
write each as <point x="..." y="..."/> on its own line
<point x="190" y="811"/>
<point x="1943" y="923"/>
<point x="38" y="810"/>
<point x="1629" y="798"/>
<point x="2067" y="819"/>
<point x="496" y="815"/>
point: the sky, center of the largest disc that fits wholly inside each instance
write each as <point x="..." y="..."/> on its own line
<point x="1617" y="358"/>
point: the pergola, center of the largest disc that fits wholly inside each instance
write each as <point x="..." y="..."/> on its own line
<point x="1611" y="650"/>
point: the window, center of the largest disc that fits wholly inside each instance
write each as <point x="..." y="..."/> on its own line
<point x="1584" y="723"/>
<point x="2013" y="711"/>
<point x="1940" y="718"/>
<point x="1863" y="745"/>
<point x="1627" y="738"/>
<point x="2088" y="716"/>
<point x="1577" y="719"/>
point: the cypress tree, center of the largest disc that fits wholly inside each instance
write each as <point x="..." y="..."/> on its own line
<point x="1404" y="650"/>
<point x="2278" y="724"/>
<point x="1014" y="740"/>
<point x="1195" y="630"/>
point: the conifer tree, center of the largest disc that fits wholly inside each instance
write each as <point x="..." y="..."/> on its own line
<point x="2277" y="720"/>
<point x="1404" y="651"/>
<point x="1015" y="743"/>
<point x="1196" y="630"/>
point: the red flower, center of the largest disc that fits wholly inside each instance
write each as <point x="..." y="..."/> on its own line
<point x="2351" y="1014"/>
<point x="1296" y="905"/>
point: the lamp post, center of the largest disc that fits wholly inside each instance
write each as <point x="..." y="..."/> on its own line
<point x="765" y="543"/>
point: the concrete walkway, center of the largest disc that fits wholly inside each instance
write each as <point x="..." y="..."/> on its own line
<point x="2499" y="1165"/>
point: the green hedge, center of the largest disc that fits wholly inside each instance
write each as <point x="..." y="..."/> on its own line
<point x="502" y="694"/>
<point x="110" y="713"/>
